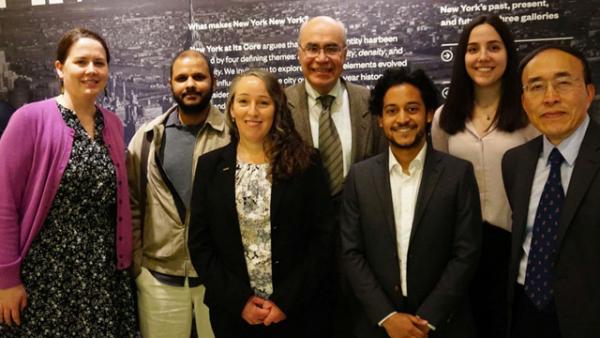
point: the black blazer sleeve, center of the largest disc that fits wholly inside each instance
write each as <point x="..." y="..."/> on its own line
<point x="301" y="275"/>
<point x="226" y="288"/>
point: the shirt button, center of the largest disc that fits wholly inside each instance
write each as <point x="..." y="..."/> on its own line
<point x="120" y="219"/>
<point x="397" y="288"/>
<point x="276" y="262"/>
<point x="120" y="182"/>
<point x="275" y="227"/>
<point x="120" y="238"/>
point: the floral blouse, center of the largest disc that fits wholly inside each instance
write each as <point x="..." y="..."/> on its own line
<point x="253" y="203"/>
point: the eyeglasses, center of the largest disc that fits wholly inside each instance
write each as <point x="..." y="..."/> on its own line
<point x="312" y="50"/>
<point x="561" y="85"/>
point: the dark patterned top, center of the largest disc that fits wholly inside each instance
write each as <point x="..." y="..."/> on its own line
<point x="73" y="287"/>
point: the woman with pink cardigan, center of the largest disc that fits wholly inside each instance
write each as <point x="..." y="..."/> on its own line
<point x="65" y="222"/>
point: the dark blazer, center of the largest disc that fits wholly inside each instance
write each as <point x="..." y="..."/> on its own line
<point x="445" y="244"/>
<point x="301" y="236"/>
<point x="577" y="275"/>
<point x="367" y="139"/>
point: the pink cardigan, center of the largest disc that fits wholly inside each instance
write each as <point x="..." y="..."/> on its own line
<point x="34" y="151"/>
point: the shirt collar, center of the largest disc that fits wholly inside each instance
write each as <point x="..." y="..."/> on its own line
<point x="313" y="94"/>
<point x="215" y="119"/>
<point x="416" y="164"/>
<point x="173" y="119"/>
<point x="569" y="147"/>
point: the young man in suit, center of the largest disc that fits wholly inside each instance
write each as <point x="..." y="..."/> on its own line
<point x="410" y="223"/>
<point x="553" y="186"/>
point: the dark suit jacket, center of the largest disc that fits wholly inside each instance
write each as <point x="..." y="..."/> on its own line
<point x="367" y="140"/>
<point x="577" y="270"/>
<point x="301" y="236"/>
<point x="444" y="247"/>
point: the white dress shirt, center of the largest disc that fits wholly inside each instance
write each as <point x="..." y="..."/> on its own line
<point x="404" y="189"/>
<point x="569" y="149"/>
<point x="340" y="114"/>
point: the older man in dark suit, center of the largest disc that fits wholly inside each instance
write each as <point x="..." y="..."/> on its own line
<point x="553" y="186"/>
<point x="410" y="223"/>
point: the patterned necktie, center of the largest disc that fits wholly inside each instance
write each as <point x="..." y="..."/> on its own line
<point x="540" y="264"/>
<point x="330" y="145"/>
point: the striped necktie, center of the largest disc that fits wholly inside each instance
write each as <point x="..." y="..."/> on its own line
<point x="330" y="145"/>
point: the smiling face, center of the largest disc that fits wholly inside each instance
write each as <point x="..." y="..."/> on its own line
<point x="85" y="70"/>
<point x="556" y="115"/>
<point x="323" y="70"/>
<point x="252" y="109"/>
<point x="404" y="117"/>
<point x="191" y="84"/>
<point x="486" y="57"/>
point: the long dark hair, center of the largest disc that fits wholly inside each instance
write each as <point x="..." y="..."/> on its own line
<point x="460" y="101"/>
<point x="288" y="154"/>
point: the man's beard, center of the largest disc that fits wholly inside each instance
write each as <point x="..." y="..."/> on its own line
<point x="419" y="137"/>
<point x="193" y="109"/>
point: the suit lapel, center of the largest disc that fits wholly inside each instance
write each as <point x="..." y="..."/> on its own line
<point x="298" y="104"/>
<point x="432" y="170"/>
<point x="524" y="173"/>
<point x="381" y="181"/>
<point x="586" y="168"/>
<point x="360" y="120"/>
<point x="225" y="179"/>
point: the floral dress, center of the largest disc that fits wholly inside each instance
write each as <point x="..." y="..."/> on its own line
<point x="69" y="273"/>
<point x="253" y="204"/>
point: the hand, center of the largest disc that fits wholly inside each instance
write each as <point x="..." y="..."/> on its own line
<point x="404" y="325"/>
<point x="253" y="312"/>
<point x="275" y="314"/>
<point x="12" y="301"/>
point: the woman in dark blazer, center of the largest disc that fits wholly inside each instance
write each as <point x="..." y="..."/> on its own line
<point x="261" y="232"/>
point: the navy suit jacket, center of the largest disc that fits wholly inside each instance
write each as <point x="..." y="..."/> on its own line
<point x="577" y="263"/>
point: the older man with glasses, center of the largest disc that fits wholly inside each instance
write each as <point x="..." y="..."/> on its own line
<point x="333" y="115"/>
<point x="553" y="186"/>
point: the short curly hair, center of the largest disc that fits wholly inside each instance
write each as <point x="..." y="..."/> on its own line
<point x="397" y="76"/>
